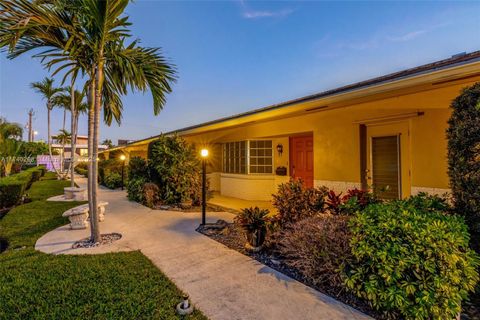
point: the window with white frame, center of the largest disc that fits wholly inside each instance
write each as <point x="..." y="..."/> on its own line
<point x="251" y="156"/>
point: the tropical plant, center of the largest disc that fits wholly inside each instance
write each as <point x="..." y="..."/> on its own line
<point x="48" y="92"/>
<point x="9" y="151"/>
<point x="73" y="100"/>
<point x="353" y="201"/>
<point x="10" y="130"/>
<point x="410" y="262"/>
<point x="333" y="202"/>
<point x="254" y="222"/>
<point x="108" y="143"/>
<point x="88" y="36"/>
<point x="33" y="149"/>
<point x="463" y="136"/>
<point x="294" y="201"/>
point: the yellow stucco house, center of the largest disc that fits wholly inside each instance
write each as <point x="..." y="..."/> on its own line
<point x="386" y="131"/>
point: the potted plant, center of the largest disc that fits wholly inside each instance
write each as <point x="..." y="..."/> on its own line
<point x="254" y="222"/>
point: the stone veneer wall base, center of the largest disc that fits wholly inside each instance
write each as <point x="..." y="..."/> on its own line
<point x="338" y="186"/>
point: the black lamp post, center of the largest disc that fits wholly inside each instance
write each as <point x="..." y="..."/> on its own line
<point x="122" y="157"/>
<point x="204" y="154"/>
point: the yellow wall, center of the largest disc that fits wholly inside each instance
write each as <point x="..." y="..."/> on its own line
<point x="336" y="138"/>
<point x="337" y="142"/>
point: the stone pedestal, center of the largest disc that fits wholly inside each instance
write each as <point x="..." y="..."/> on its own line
<point x="76" y="194"/>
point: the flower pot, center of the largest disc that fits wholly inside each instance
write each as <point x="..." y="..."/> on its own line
<point x="255" y="238"/>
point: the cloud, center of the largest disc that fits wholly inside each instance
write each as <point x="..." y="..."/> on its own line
<point x="407" y="36"/>
<point x="252" y="14"/>
<point x="249" y="13"/>
<point x="416" y="33"/>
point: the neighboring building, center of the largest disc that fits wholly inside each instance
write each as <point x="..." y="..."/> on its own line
<point x="386" y="131"/>
<point x="81" y="147"/>
<point x="122" y="142"/>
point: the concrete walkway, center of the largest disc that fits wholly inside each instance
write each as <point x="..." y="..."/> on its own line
<point x="221" y="282"/>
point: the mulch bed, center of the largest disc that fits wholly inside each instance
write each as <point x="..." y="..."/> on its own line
<point x="106" y="239"/>
<point x="233" y="237"/>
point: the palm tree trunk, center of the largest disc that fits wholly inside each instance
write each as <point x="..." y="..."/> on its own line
<point x="49" y="138"/>
<point x="96" y="135"/>
<point x="92" y="167"/>
<point x="72" y="135"/>
<point x="64" y="118"/>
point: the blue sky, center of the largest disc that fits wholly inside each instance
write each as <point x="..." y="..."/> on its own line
<point x="234" y="56"/>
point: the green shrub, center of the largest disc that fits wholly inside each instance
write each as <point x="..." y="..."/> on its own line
<point x="463" y="136"/>
<point x="175" y="168"/>
<point x="410" y="262"/>
<point x="429" y="202"/>
<point x="82" y="165"/>
<point x="11" y="191"/>
<point x="137" y="168"/>
<point x="135" y="189"/>
<point x="13" y="187"/>
<point x="317" y="247"/>
<point x="294" y="201"/>
<point x="112" y="180"/>
<point x="107" y="167"/>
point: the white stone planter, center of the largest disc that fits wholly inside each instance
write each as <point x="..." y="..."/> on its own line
<point x="78" y="216"/>
<point x="76" y="194"/>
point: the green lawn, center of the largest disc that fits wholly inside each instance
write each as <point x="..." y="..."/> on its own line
<point x="34" y="285"/>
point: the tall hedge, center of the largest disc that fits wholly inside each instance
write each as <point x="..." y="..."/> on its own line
<point x="176" y="169"/>
<point x="463" y="136"/>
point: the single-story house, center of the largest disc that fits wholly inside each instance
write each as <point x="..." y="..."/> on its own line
<point x="386" y="131"/>
<point x="81" y="147"/>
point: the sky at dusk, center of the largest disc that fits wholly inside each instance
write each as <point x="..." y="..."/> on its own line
<point x="234" y="56"/>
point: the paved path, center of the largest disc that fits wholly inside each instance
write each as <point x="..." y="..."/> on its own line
<point x="221" y="282"/>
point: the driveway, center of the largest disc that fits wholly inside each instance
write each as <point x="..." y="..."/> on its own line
<point x="221" y="282"/>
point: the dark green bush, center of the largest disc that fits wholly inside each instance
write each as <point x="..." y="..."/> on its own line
<point x="412" y="263"/>
<point x="429" y="202"/>
<point x="11" y="191"/>
<point x="294" y="201"/>
<point x="12" y="188"/>
<point x="81" y="171"/>
<point x="112" y="180"/>
<point x="175" y="168"/>
<point x="107" y="167"/>
<point x="82" y="165"/>
<point x="138" y="168"/>
<point x="135" y="189"/>
<point x="463" y="136"/>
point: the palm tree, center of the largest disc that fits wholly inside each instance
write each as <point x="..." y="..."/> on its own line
<point x="10" y="130"/>
<point x="76" y="105"/>
<point x="108" y="143"/>
<point x="89" y="36"/>
<point x="48" y="92"/>
<point x="9" y="150"/>
<point x="63" y="137"/>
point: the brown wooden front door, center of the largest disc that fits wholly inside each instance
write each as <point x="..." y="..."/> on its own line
<point x="301" y="159"/>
